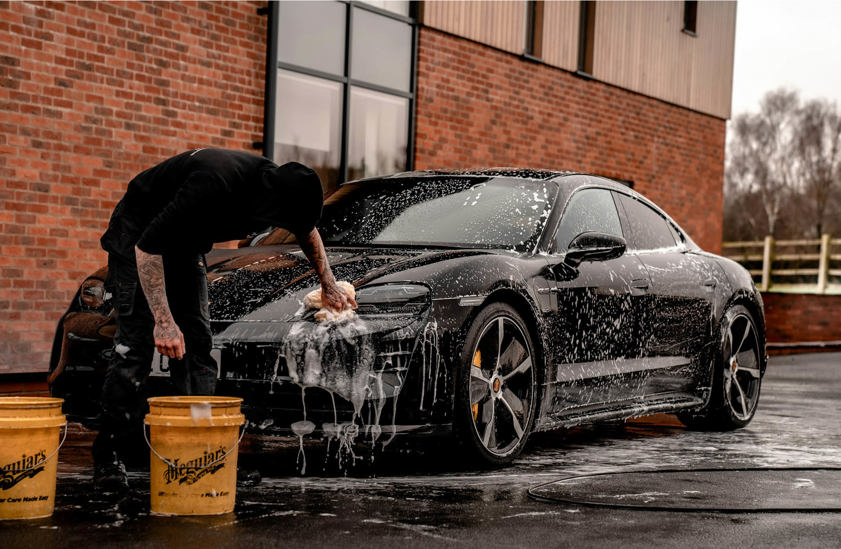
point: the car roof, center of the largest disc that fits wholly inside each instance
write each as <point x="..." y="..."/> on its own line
<point x="517" y="173"/>
<point x="513" y="173"/>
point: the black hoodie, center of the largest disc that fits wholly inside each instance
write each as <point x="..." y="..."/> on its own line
<point x="188" y="202"/>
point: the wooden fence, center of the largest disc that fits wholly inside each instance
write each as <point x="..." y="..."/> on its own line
<point x="791" y="266"/>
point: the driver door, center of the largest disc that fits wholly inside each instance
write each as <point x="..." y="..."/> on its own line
<point x="594" y="328"/>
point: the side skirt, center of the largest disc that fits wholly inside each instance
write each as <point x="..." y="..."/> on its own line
<point x="620" y="410"/>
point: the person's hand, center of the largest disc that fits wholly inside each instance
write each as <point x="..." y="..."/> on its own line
<point x="169" y="341"/>
<point x="334" y="298"/>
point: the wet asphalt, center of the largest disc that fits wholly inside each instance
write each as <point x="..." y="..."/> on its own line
<point x="648" y="482"/>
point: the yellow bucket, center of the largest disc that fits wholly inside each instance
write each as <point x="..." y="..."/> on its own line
<point x="29" y="440"/>
<point x="193" y="442"/>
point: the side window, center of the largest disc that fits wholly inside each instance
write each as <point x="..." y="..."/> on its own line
<point x="649" y="229"/>
<point x="589" y="210"/>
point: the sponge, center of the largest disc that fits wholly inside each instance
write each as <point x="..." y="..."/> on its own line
<point x="313" y="301"/>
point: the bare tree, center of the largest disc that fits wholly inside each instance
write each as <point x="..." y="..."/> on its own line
<point x="817" y="157"/>
<point x="759" y="162"/>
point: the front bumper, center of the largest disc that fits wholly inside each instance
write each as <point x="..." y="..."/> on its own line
<point x="377" y="375"/>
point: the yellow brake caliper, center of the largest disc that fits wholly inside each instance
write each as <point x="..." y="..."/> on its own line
<point x="477" y="361"/>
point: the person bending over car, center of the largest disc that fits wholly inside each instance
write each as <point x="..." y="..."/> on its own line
<point x="169" y="217"/>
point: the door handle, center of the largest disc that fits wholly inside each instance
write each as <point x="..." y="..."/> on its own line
<point x="710" y="284"/>
<point x="640" y="283"/>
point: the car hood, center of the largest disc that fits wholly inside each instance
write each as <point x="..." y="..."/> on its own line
<point x="269" y="284"/>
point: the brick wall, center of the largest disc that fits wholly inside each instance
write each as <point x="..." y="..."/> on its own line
<point x="802" y="318"/>
<point x="478" y="106"/>
<point x="91" y="93"/>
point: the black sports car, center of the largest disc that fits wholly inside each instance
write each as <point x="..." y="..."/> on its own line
<point x="492" y="304"/>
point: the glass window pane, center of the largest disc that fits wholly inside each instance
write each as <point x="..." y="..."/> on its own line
<point x="378" y="133"/>
<point x="312" y="34"/>
<point x="588" y="210"/>
<point x="650" y="230"/>
<point x="381" y="52"/>
<point x="400" y="7"/>
<point x="308" y="127"/>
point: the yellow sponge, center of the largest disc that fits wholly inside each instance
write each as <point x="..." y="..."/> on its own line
<point x="313" y="301"/>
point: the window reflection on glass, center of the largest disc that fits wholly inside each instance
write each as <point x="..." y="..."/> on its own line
<point x="378" y="133"/>
<point x="309" y="124"/>
<point x="312" y="35"/>
<point x="381" y="52"/>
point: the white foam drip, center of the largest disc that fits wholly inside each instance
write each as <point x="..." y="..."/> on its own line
<point x="301" y="428"/>
<point x="339" y="357"/>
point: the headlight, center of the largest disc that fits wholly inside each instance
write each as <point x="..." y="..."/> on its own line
<point x="392" y="298"/>
<point x="92" y="293"/>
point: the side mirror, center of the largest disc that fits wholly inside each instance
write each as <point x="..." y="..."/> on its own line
<point x="593" y="246"/>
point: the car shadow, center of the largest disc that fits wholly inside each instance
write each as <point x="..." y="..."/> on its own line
<point x="430" y="456"/>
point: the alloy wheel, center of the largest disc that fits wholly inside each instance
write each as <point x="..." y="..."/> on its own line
<point x="742" y="375"/>
<point x="502" y="386"/>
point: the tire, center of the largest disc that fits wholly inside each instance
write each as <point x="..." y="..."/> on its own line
<point x="737" y="375"/>
<point x="496" y="387"/>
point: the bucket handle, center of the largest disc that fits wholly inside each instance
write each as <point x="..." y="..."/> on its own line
<point x="49" y="457"/>
<point x="215" y="461"/>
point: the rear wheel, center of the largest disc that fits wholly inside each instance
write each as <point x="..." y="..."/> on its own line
<point x="737" y="376"/>
<point x="497" y="386"/>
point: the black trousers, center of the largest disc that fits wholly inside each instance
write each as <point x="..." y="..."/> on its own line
<point x="123" y="392"/>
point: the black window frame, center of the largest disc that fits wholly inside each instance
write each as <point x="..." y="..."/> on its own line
<point x="586" y="36"/>
<point x="273" y="64"/>
<point x="533" y="48"/>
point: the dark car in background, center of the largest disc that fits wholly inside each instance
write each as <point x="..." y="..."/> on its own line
<point x="492" y="304"/>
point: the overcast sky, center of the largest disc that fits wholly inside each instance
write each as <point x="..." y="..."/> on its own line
<point x="793" y="43"/>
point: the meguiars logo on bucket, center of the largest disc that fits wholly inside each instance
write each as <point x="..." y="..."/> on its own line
<point x="193" y="440"/>
<point x="24" y="468"/>
<point x="191" y="471"/>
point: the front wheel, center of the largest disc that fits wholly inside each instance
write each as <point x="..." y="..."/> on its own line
<point x="497" y="386"/>
<point x="737" y="375"/>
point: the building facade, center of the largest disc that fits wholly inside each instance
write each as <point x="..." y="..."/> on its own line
<point x="94" y="92"/>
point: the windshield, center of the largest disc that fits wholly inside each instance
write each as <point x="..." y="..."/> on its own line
<point x="462" y="212"/>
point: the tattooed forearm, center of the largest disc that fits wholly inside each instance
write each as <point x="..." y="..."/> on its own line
<point x="332" y="296"/>
<point x="313" y="248"/>
<point x="169" y="340"/>
<point x="150" y="269"/>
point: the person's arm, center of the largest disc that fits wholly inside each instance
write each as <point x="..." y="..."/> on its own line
<point x="169" y="340"/>
<point x="332" y="296"/>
